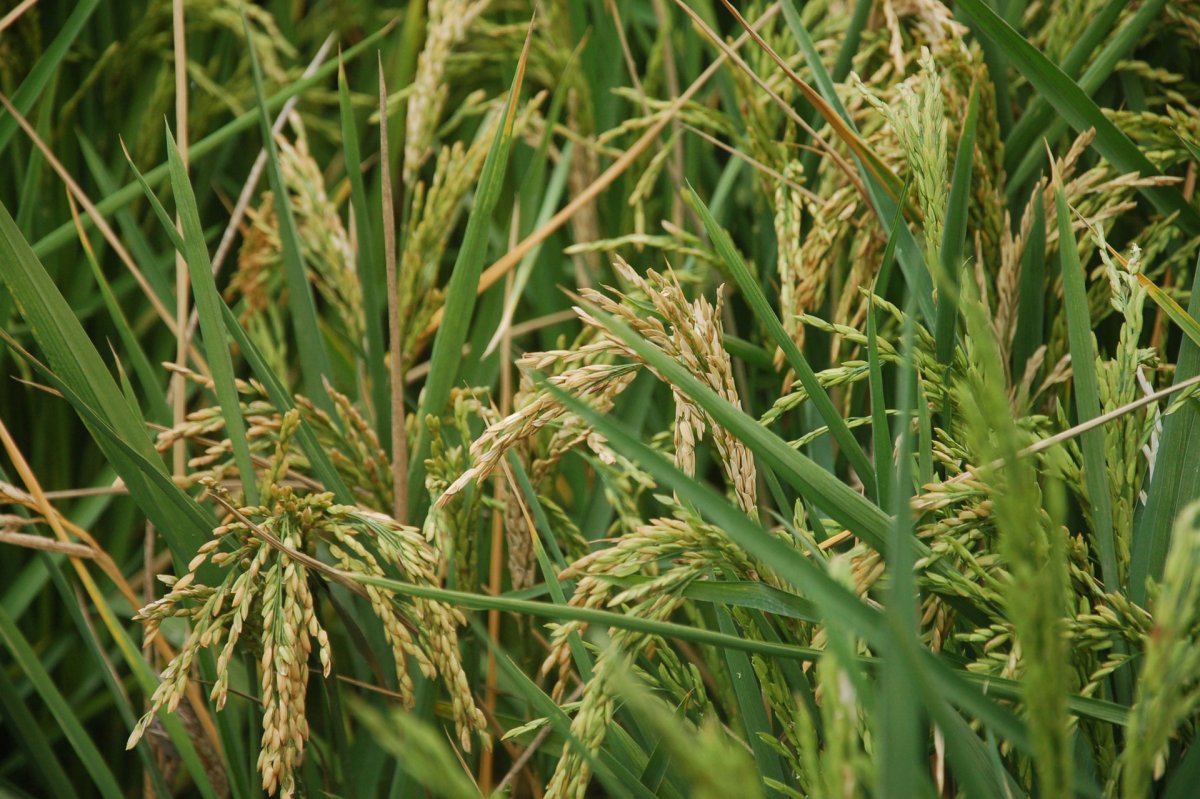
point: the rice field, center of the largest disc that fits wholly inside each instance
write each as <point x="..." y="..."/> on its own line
<point x="632" y="398"/>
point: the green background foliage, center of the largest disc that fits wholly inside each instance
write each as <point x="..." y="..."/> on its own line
<point x="794" y="399"/>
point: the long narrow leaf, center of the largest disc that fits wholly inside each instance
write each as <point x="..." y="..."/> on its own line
<point x="741" y="594"/>
<point x="1175" y="480"/>
<point x="881" y="439"/>
<point x="369" y="277"/>
<point x="212" y="327"/>
<point x="24" y="656"/>
<point x="1186" y="321"/>
<point x="749" y="697"/>
<point x="1031" y="292"/>
<point x="901" y="736"/>
<point x="766" y="316"/>
<point x="960" y="686"/>
<point x="1087" y="392"/>
<point x="314" y="360"/>
<point x="125" y="458"/>
<point x="954" y="236"/>
<point x="73" y="357"/>
<point x="29" y="736"/>
<point x="464" y="280"/>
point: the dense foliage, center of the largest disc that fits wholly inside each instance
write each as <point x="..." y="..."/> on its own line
<point x="609" y="397"/>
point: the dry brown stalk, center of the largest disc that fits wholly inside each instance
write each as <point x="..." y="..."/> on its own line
<point x="182" y="278"/>
<point x="30" y="541"/>
<point x="496" y="554"/>
<point x="395" y="334"/>
<point x="15" y="14"/>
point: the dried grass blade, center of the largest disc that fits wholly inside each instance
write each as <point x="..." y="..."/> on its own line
<point x="399" y="433"/>
<point x="15" y="14"/>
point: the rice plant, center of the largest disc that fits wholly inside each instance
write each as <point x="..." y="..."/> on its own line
<point x="607" y="398"/>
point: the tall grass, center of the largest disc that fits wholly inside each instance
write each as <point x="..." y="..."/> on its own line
<point x="616" y="397"/>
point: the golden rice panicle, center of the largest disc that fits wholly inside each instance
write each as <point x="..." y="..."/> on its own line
<point x="800" y="289"/>
<point x="596" y="382"/>
<point x="694" y="550"/>
<point x="696" y="339"/>
<point x="918" y="119"/>
<point x="285" y="728"/>
<point x="706" y="336"/>
<point x="265" y="592"/>
<point x="205" y="618"/>
<point x="447" y="25"/>
<point x="351" y="555"/>
<point x="435" y="649"/>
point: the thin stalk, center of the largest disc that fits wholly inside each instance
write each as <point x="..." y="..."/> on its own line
<point x="395" y="339"/>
